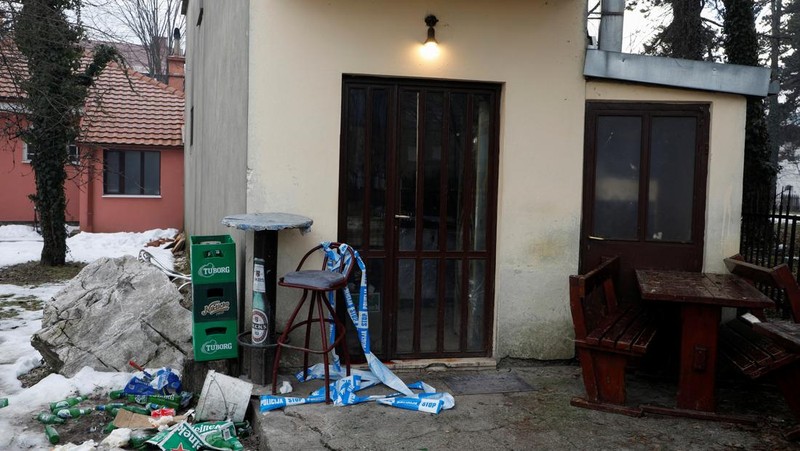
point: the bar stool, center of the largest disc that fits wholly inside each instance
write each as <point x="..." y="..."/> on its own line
<point x="319" y="283"/>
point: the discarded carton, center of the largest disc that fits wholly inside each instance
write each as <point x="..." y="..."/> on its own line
<point x="130" y="420"/>
<point x="223" y="398"/>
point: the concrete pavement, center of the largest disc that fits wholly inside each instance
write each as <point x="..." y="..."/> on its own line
<point x="539" y="419"/>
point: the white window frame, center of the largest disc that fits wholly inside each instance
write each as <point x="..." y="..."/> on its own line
<point x="73" y="159"/>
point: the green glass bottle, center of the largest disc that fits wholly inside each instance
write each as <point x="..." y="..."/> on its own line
<point x="116" y="394"/>
<point x="73" y="412"/>
<point x="137" y="409"/>
<point x="66" y="403"/>
<point x="3" y="402"/>
<point x="109" y="406"/>
<point x="109" y="427"/>
<point x="139" y="437"/>
<point x="49" y="418"/>
<point x="52" y="434"/>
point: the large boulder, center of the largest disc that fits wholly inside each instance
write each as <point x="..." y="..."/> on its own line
<point x="113" y="311"/>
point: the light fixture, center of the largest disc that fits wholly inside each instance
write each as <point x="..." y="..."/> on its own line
<point x="430" y="48"/>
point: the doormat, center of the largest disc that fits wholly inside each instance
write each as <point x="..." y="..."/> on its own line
<point x="474" y="384"/>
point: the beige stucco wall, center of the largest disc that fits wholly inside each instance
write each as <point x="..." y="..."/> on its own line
<point x="725" y="159"/>
<point x="298" y="53"/>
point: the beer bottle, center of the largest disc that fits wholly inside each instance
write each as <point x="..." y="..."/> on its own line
<point x="3" y="402"/>
<point x="116" y="394"/>
<point x="66" y="403"/>
<point x="52" y="434"/>
<point x="49" y="418"/>
<point x="137" y="409"/>
<point x="139" y="437"/>
<point x="73" y="412"/>
<point x="260" y="324"/>
<point x="109" y="427"/>
<point x="109" y="406"/>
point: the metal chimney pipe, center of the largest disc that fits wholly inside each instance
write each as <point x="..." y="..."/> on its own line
<point x="611" y="16"/>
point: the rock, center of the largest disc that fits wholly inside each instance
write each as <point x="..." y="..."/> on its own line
<point x="113" y="311"/>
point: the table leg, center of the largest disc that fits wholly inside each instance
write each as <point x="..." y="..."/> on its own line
<point x="699" y="330"/>
<point x="265" y="246"/>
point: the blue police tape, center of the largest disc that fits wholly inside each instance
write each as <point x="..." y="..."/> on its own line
<point x="344" y="389"/>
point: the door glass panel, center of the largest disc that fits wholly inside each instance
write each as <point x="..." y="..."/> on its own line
<point x="616" y="190"/>
<point x="375" y="289"/>
<point x="378" y="154"/>
<point x="481" y="139"/>
<point x="405" y="305"/>
<point x="456" y="141"/>
<point x="430" y="305"/>
<point x="434" y="104"/>
<point x="671" y="185"/>
<point x="407" y="170"/>
<point x="356" y="125"/>
<point x="452" y="306"/>
<point x="475" y="304"/>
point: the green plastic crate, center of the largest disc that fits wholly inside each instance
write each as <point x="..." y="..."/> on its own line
<point x="215" y="340"/>
<point x="214" y="302"/>
<point x="213" y="259"/>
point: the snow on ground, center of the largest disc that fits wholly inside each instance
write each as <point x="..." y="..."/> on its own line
<point x="19" y="244"/>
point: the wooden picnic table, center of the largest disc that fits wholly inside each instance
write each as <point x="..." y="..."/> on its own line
<point x="700" y="297"/>
<point x="783" y="332"/>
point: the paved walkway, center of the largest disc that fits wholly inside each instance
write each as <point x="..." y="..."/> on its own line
<point x="538" y="419"/>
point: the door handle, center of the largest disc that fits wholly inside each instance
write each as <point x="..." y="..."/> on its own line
<point x="403" y="217"/>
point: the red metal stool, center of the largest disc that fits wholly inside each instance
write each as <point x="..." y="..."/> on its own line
<point x="319" y="283"/>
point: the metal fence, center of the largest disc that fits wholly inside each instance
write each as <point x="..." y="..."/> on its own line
<point x="770" y="236"/>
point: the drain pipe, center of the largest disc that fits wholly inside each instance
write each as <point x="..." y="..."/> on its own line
<point x="611" y="16"/>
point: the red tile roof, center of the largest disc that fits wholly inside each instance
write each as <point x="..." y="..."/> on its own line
<point x="120" y="110"/>
<point x="135" y="110"/>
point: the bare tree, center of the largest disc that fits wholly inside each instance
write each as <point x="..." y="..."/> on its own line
<point x="150" y="22"/>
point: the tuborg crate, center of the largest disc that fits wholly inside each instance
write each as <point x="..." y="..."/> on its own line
<point x="214" y="298"/>
<point x="215" y="340"/>
<point x="214" y="302"/>
<point x="213" y="259"/>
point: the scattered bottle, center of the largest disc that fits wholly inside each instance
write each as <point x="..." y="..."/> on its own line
<point x="116" y="394"/>
<point x="66" y="403"/>
<point x="109" y="427"/>
<point x="73" y="412"/>
<point x="49" y="418"/>
<point x="109" y="406"/>
<point x="139" y="437"/>
<point x="3" y="402"/>
<point x="52" y="434"/>
<point x="137" y="409"/>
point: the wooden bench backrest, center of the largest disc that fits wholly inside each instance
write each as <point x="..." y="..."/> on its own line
<point x="779" y="277"/>
<point x="592" y="296"/>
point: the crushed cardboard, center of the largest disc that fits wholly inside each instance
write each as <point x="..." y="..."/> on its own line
<point x="130" y="420"/>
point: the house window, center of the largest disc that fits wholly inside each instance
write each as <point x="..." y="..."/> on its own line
<point x="132" y="172"/>
<point x="72" y="150"/>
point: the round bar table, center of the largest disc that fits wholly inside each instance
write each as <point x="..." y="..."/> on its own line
<point x="265" y="245"/>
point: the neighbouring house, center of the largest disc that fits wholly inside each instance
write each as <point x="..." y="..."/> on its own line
<point x="473" y="181"/>
<point x="126" y="173"/>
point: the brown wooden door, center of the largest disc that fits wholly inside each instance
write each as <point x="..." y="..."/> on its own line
<point x="418" y="189"/>
<point x="644" y="194"/>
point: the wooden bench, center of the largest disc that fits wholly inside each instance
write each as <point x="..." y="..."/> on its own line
<point x="607" y="336"/>
<point x="762" y="347"/>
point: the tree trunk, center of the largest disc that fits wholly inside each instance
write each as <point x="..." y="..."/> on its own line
<point x="51" y="203"/>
